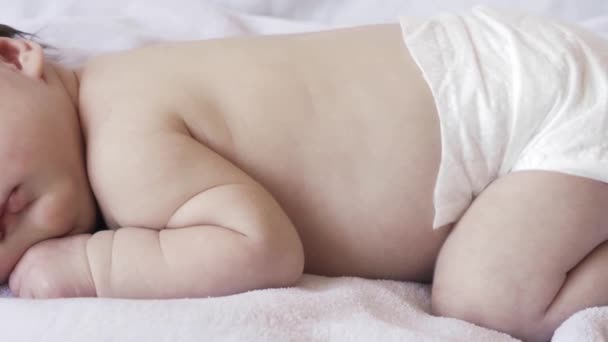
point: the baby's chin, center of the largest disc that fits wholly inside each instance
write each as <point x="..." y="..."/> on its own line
<point x="17" y="242"/>
<point x="55" y="215"/>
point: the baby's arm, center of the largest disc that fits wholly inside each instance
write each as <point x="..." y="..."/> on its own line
<point x="234" y="238"/>
<point x="228" y="236"/>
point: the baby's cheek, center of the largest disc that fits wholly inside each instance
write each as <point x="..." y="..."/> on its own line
<point x="17" y="157"/>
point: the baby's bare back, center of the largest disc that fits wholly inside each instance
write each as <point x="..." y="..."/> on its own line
<point x="339" y="127"/>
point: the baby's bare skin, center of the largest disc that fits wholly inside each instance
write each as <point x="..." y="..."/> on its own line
<point x="220" y="166"/>
<point x="339" y="127"/>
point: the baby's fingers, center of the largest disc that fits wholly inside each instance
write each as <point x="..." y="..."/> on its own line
<point x="18" y="280"/>
<point x="35" y="283"/>
<point x="14" y="281"/>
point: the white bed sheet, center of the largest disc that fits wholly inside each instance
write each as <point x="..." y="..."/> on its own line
<point x="338" y="12"/>
<point x="81" y="28"/>
<point x="320" y="309"/>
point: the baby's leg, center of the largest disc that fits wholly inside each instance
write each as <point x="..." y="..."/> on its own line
<point x="527" y="254"/>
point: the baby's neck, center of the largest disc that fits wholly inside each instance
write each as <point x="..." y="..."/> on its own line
<point x="71" y="81"/>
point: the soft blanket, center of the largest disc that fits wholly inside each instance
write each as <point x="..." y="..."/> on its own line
<point x="318" y="309"/>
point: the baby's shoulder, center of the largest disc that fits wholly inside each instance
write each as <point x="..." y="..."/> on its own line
<point x="113" y="81"/>
<point x="130" y="127"/>
<point x="121" y="96"/>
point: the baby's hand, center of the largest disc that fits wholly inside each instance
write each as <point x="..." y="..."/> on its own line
<point x="54" y="268"/>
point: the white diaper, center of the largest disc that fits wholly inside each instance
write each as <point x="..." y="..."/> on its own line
<point x="514" y="92"/>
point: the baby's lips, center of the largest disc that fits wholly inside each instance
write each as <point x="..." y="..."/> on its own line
<point x="16" y="201"/>
<point x="4" y="202"/>
<point x="2" y="224"/>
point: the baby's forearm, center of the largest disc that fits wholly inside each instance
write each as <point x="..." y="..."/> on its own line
<point x="173" y="263"/>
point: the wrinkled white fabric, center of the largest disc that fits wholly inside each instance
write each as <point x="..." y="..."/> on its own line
<point x="514" y="92"/>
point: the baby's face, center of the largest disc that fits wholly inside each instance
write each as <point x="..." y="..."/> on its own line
<point x="44" y="191"/>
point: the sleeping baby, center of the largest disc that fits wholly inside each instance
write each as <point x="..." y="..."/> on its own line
<point x="469" y="150"/>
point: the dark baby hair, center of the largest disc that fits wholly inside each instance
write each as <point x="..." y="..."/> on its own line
<point x="9" y="32"/>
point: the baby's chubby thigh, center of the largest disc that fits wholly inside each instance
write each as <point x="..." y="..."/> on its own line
<point x="507" y="259"/>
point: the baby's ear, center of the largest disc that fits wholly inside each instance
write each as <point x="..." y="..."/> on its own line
<point x="22" y="55"/>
